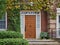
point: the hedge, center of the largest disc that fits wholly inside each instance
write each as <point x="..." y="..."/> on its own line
<point x="13" y="41"/>
<point x="10" y="34"/>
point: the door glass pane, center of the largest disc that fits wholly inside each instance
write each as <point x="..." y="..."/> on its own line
<point x="38" y="21"/>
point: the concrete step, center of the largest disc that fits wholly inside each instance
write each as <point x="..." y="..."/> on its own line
<point x="43" y="42"/>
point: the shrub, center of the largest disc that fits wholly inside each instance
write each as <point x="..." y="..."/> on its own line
<point x="44" y="35"/>
<point x="13" y="41"/>
<point x="10" y="34"/>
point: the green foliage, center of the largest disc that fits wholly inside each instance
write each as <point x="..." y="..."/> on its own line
<point x="12" y="38"/>
<point x="58" y="5"/>
<point x="13" y="8"/>
<point x="37" y="5"/>
<point x="53" y="16"/>
<point x="44" y="35"/>
<point x="45" y="5"/>
<point x="10" y="34"/>
<point x="13" y="12"/>
<point x="13" y="21"/>
<point x="3" y="6"/>
<point x="13" y="41"/>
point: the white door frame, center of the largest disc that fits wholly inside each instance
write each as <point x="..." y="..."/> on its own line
<point x="57" y="23"/>
<point x="38" y="19"/>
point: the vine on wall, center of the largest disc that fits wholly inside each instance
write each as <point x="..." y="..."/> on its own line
<point x="45" y="5"/>
<point x="3" y="6"/>
<point x="13" y="11"/>
<point x="12" y="7"/>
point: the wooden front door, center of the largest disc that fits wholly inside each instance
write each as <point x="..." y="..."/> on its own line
<point x="30" y="26"/>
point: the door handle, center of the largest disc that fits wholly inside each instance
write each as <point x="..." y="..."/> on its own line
<point x="25" y="28"/>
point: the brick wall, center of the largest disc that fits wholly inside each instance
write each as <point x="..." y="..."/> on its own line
<point x="52" y="27"/>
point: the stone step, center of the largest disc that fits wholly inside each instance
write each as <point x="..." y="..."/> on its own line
<point x="43" y="42"/>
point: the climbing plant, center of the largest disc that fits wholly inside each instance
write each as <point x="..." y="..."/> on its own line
<point x="2" y="7"/>
<point x="13" y="7"/>
<point x="45" y="5"/>
<point x="13" y="10"/>
<point x="58" y="5"/>
<point x="37" y="4"/>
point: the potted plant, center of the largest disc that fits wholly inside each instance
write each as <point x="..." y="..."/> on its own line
<point x="44" y="35"/>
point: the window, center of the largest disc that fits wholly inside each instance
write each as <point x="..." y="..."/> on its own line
<point x="59" y="25"/>
<point x="3" y="22"/>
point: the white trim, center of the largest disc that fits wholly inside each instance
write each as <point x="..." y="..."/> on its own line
<point x="22" y="17"/>
<point x="22" y="26"/>
<point x="5" y="22"/>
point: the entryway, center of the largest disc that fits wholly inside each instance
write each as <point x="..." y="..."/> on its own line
<point x="30" y="24"/>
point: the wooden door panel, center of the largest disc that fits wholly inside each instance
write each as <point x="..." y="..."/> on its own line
<point x="30" y="24"/>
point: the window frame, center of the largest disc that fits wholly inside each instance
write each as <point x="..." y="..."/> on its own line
<point x="57" y="23"/>
<point x="5" y="22"/>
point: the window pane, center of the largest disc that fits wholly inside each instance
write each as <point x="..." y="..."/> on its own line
<point x="38" y="21"/>
<point x="2" y="22"/>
